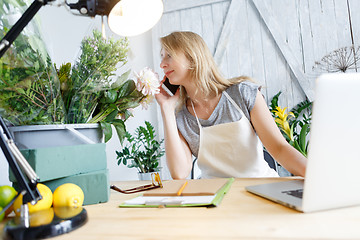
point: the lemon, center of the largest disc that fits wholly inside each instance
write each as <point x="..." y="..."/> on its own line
<point x="67" y="212"/>
<point x="44" y="203"/>
<point x="68" y="195"/>
<point x="7" y="193"/>
<point x="42" y="217"/>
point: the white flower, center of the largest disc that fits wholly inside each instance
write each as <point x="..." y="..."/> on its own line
<point x="148" y="82"/>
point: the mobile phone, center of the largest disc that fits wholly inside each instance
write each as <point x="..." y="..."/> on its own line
<point x="169" y="88"/>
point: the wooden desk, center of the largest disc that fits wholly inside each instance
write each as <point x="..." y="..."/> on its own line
<point x="240" y="215"/>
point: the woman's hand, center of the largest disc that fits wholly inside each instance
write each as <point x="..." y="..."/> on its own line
<point x="165" y="100"/>
<point x="178" y="154"/>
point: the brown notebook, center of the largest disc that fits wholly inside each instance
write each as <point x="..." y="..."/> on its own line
<point x="195" y="187"/>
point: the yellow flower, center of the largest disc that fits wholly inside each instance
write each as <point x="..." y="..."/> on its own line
<point x="280" y="113"/>
<point x="282" y="121"/>
<point x="284" y="125"/>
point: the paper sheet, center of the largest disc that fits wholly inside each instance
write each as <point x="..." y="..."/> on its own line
<point x="141" y="200"/>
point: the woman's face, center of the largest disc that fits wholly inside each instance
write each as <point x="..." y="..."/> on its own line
<point x="177" y="70"/>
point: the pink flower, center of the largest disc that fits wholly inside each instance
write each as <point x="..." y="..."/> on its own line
<point x="148" y="82"/>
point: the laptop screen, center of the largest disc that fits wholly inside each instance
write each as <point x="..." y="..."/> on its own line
<point x="333" y="157"/>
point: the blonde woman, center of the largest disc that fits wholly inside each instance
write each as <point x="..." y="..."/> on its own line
<point x="223" y="122"/>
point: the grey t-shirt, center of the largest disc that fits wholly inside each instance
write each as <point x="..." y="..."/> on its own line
<point x="244" y="94"/>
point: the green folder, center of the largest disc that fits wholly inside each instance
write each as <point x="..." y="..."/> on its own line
<point x="199" y="200"/>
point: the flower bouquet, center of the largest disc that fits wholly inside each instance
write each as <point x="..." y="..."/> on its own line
<point x="92" y="96"/>
<point x="118" y="101"/>
<point x="34" y="92"/>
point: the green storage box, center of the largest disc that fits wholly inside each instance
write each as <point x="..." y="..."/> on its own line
<point x="95" y="185"/>
<point x="58" y="162"/>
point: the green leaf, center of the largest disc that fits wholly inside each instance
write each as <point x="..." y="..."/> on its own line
<point x="120" y="80"/>
<point x="126" y="151"/>
<point x="106" y="127"/>
<point x="274" y="101"/>
<point x="26" y="83"/>
<point x="127" y="88"/>
<point x="110" y="96"/>
<point x="303" y="106"/>
<point x="302" y="137"/>
<point x="292" y="131"/>
<point x="21" y="91"/>
<point x="119" y="154"/>
<point x="120" y="129"/>
<point x="296" y="145"/>
<point x="111" y="116"/>
<point x="150" y="130"/>
<point x="143" y="150"/>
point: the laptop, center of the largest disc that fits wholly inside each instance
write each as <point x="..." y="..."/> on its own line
<point x="332" y="178"/>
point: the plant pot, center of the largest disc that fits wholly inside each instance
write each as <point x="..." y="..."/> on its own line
<point x="145" y="176"/>
<point x="66" y="153"/>
<point x="56" y="135"/>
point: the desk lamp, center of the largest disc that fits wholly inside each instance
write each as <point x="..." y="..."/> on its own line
<point x="126" y="18"/>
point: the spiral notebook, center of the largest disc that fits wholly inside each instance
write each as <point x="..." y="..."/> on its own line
<point x="197" y="193"/>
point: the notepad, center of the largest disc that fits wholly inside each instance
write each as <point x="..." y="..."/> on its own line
<point x="195" y="187"/>
<point x="199" y="192"/>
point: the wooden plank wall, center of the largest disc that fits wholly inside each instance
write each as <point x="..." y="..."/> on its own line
<point x="277" y="42"/>
<point x="243" y="43"/>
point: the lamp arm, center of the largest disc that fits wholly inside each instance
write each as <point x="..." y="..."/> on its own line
<point x="18" y="164"/>
<point x="29" y="190"/>
<point x="15" y="30"/>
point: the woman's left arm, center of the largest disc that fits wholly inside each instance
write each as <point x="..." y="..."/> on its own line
<point x="273" y="140"/>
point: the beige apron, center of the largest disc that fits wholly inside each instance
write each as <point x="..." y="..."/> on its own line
<point x="231" y="150"/>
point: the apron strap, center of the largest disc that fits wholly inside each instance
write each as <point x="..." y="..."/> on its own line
<point x="233" y="102"/>
<point x="197" y="119"/>
<point x="229" y="98"/>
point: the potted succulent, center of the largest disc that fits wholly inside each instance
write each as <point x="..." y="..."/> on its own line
<point x="142" y="151"/>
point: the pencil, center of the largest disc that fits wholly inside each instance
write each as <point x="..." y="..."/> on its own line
<point x="182" y="188"/>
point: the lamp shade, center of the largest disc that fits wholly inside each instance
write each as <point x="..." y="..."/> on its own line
<point x="133" y="17"/>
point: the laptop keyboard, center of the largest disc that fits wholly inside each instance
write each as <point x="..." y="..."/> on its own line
<point x="296" y="193"/>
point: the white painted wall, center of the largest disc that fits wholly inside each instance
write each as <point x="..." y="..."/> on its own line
<point x="63" y="33"/>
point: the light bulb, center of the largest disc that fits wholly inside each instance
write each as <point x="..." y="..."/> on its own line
<point x="133" y="17"/>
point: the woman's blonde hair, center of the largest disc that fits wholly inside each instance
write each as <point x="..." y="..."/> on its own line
<point x="203" y="68"/>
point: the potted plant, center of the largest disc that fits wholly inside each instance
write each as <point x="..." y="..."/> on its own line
<point x="142" y="151"/>
<point x="295" y="125"/>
